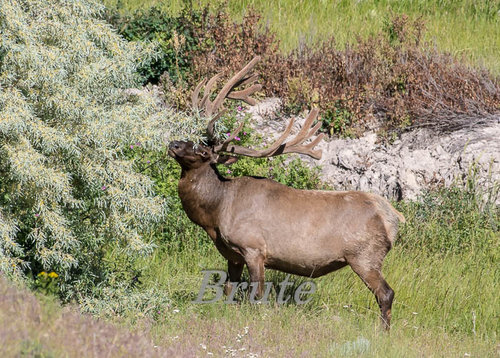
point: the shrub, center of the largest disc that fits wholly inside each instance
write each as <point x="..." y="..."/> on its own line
<point x="124" y="301"/>
<point x="461" y="218"/>
<point x="391" y="80"/>
<point x="230" y="45"/>
<point x="68" y="190"/>
<point x="176" y="36"/>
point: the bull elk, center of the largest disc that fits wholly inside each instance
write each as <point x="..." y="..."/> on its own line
<point x="265" y="224"/>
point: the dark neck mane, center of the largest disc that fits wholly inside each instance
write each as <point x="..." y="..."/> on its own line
<point x="201" y="192"/>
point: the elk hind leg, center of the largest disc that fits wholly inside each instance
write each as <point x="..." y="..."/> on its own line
<point x="384" y="294"/>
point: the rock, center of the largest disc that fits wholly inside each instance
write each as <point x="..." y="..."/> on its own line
<point x="402" y="170"/>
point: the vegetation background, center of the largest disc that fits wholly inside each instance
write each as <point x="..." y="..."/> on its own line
<point x="89" y="214"/>
<point x="465" y="28"/>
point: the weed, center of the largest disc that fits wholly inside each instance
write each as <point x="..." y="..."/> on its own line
<point x="47" y="283"/>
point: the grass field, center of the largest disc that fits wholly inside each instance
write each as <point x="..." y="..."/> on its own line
<point x="464" y="28"/>
<point x="444" y="270"/>
<point x="444" y="306"/>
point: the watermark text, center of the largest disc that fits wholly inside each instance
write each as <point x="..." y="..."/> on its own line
<point x="299" y="296"/>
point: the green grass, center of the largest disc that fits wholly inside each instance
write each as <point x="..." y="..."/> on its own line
<point x="446" y="305"/>
<point x="464" y="28"/>
<point x="444" y="270"/>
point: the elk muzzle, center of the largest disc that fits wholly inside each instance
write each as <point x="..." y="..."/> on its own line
<point x="174" y="147"/>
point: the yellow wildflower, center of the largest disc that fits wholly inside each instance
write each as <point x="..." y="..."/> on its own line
<point x="53" y="275"/>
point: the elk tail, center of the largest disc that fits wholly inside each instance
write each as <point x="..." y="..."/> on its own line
<point x="399" y="215"/>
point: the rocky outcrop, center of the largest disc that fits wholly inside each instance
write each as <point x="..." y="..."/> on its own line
<point x="417" y="160"/>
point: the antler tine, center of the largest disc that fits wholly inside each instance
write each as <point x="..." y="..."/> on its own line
<point x="242" y="78"/>
<point x="245" y="94"/>
<point x="272" y="149"/>
<point x="307" y="149"/>
<point x="294" y="145"/>
<point x="249" y="152"/>
<point x="305" y="131"/>
<point x="249" y="79"/>
<point x="314" y="130"/>
<point x="278" y="147"/>
<point x="233" y="82"/>
<point x="195" y="96"/>
<point x="205" y="102"/>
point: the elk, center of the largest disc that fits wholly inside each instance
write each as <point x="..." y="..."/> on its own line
<point x="264" y="224"/>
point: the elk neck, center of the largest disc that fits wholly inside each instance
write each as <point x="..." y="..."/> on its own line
<point x="201" y="191"/>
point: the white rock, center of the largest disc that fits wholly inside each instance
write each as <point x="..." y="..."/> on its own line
<point x="416" y="161"/>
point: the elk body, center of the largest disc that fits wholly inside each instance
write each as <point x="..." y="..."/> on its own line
<point x="264" y="224"/>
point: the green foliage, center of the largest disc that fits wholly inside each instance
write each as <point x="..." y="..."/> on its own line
<point x="174" y="34"/>
<point x="47" y="283"/>
<point x="68" y="192"/>
<point x="462" y="218"/>
<point x="337" y="119"/>
<point x="287" y="170"/>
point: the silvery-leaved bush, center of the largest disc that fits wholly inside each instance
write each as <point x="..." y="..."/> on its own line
<point x="66" y="187"/>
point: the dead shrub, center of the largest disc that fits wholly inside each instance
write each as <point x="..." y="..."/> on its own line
<point x="228" y="45"/>
<point x="390" y="81"/>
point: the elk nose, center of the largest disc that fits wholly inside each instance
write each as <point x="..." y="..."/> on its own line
<point x="174" y="145"/>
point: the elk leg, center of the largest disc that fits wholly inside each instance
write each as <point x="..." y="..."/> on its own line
<point x="384" y="294"/>
<point x="234" y="270"/>
<point x="255" y="264"/>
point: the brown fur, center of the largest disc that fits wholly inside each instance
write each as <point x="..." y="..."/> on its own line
<point x="264" y="224"/>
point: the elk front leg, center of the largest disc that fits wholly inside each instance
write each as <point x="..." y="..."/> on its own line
<point x="255" y="263"/>
<point x="234" y="270"/>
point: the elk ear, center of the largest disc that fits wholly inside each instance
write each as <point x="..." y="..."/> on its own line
<point x="226" y="159"/>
